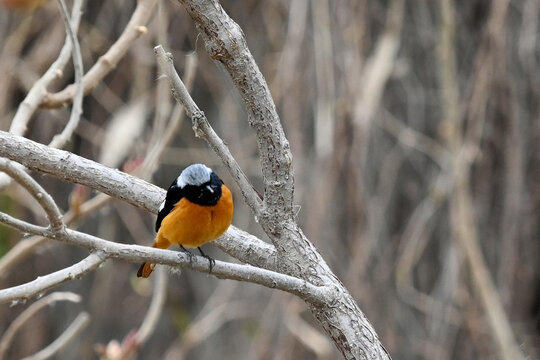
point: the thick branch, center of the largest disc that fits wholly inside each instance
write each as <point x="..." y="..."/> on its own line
<point x="226" y="44"/>
<point x="135" y="253"/>
<point x="343" y="321"/>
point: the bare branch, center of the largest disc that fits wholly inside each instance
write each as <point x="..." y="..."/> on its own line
<point x="44" y="283"/>
<point x="343" y="320"/>
<point x="223" y="270"/>
<point x="73" y="168"/>
<point x="23" y="226"/>
<point x="60" y="140"/>
<point x="152" y="159"/>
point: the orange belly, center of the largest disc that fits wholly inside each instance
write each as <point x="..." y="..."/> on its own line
<point x="193" y="225"/>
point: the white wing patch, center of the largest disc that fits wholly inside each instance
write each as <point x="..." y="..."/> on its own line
<point x="162" y="205"/>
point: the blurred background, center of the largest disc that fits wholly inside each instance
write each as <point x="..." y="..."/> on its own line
<point x="414" y="127"/>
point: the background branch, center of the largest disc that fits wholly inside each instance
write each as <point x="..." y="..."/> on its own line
<point x="7" y="337"/>
<point x="79" y="324"/>
<point x="39" y="89"/>
<point x="107" y="62"/>
<point x="61" y="139"/>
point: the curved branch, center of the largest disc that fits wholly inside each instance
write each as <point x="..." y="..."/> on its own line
<point x="43" y="197"/>
<point x="25" y="247"/>
<point x="135" y="253"/>
<point x="61" y="139"/>
<point x="44" y="283"/>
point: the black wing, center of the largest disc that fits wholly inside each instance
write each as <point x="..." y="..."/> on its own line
<point x="174" y="195"/>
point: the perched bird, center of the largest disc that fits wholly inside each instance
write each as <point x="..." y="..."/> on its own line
<point x="197" y="209"/>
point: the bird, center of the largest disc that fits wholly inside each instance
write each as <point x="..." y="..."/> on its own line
<point x="197" y="209"/>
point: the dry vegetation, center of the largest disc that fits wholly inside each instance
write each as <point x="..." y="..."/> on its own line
<point x="415" y="133"/>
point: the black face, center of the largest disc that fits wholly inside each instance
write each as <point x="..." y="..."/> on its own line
<point x="206" y="194"/>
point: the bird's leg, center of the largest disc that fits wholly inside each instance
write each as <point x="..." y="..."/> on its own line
<point x="189" y="254"/>
<point x="212" y="261"/>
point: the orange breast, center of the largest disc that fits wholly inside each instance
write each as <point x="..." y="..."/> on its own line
<point x="193" y="225"/>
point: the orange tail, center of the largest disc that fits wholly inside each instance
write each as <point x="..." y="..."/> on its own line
<point x="146" y="268"/>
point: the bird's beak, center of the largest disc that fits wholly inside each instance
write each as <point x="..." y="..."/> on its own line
<point x="210" y="188"/>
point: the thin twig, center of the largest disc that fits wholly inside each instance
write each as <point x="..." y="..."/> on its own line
<point x="7" y="338"/>
<point x="60" y="140"/>
<point x="81" y="321"/>
<point x="152" y="159"/>
<point x="158" y="299"/>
